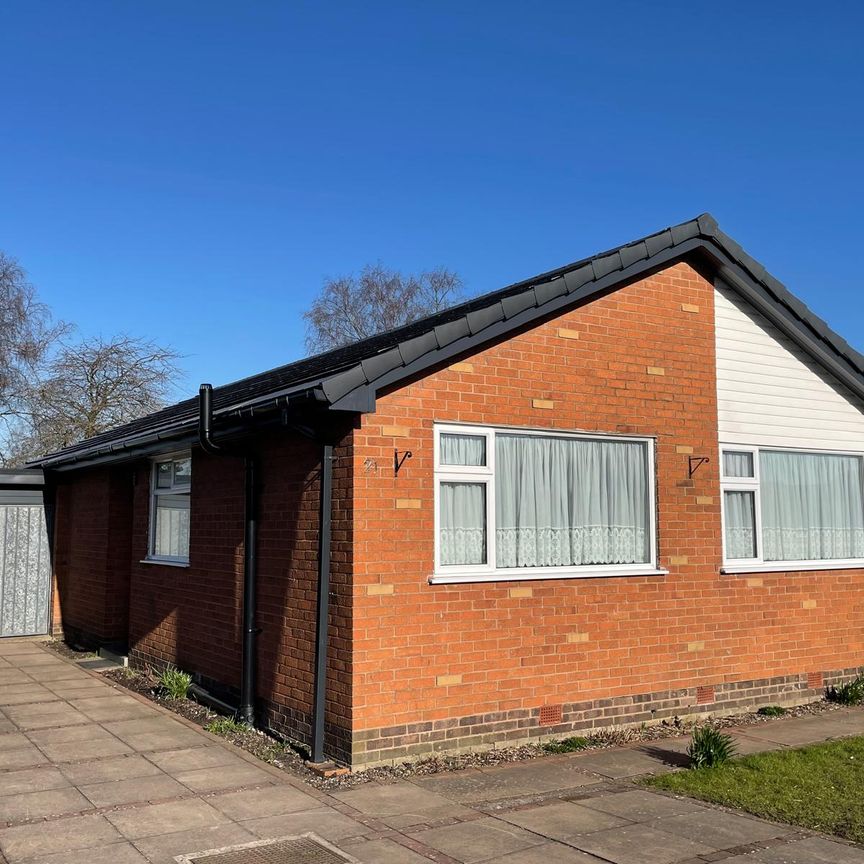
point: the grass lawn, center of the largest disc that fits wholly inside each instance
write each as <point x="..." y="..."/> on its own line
<point x="819" y="787"/>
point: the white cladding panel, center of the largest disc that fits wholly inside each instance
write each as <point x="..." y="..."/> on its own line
<point x="771" y="393"/>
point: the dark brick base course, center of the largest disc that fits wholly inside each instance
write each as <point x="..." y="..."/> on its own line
<point x="475" y="732"/>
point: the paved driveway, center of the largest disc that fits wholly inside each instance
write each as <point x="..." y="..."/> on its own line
<point x="92" y="775"/>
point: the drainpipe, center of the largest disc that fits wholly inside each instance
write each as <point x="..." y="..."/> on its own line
<point x="324" y="522"/>
<point x="250" y="558"/>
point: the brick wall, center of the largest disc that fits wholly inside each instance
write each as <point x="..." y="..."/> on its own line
<point x="487" y="657"/>
<point x="91" y="556"/>
<point x="192" y="616"/>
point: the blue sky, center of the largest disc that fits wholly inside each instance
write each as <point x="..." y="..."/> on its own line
<point x="191" y="171"/>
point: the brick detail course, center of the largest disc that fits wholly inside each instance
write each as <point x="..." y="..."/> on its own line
<point x="520" y="725"/>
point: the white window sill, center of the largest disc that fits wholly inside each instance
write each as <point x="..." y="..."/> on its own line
<point x="791" y="566"/>
<point x="535" y="574"/>
<point x="165" y="562"/>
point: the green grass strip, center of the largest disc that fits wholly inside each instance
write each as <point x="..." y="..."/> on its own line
<point x="820" y="787"/>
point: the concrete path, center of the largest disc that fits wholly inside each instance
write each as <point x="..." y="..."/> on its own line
<point x="90" y="774"/>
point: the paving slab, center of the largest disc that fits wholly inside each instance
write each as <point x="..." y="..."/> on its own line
<point x="509" y="781"/>
<point x="10" y="676"/>
<point x="398" y="799"/>
<point x="163" y="849"/>
<point x="32" y="780"/>
<point x="640" y="805"/>
<point x="27" y="756"/>
<point x="113" y="708"/>
<point x="60" y="836"/>
<point x="640" y="844"/>
<point x="796" y="732"/>
<point x="618" y="763"/>
<point x="549" y="853"/>
<point x="258" y="803"/>
<point x="106" y="770"/>
<point x="562" y="820"/>
<point x="168" y="818"/>
<point x="24" y="807"/>
<point x="76" y="751"/>
<point x="814" y="850"/>
<point x="480" y="840"/>
<point x="27" y="717"/>
<point x="25" y="693"/>
<point x="225" y="777"/>
<point x="115" y="853"/>
<point x="63" y="672"/>
<point x="192" y="758"/>
<point x="133" y="790"/>
<point x="324" y="821"/>
<point x="13" y="741"/>
<point x="721" y="829"/>
<point x="382" y="852"/>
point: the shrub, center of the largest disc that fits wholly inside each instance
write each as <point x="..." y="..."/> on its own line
<point x="566" y="745"/>
<point x="175" y="683"/>
<point x="772" y="711"/>
<point x="225" y="726"/>
<point x="850" y="693"/>
<point x="710" y="747"/>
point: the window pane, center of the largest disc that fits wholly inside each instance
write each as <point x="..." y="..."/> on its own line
<point x="740" y="515"/>
<point x="462" y="537"/>
<point x="164" y="474"/>
<point x="171" y="534"/>
<point x="812" y="507"/>
<point x="737" y="463"/>
<point x="565" y="501"/>
<point x="463" y="449"/>
<point x="183" y="471"/>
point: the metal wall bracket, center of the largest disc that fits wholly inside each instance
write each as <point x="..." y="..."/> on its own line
<point x="694" y="463"/>
<point x="399" y="462"/>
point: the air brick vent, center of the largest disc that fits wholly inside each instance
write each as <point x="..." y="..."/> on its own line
<point x="814" y="681"/>
<point x="704" y="695"/>
<point x="550" y="715"/>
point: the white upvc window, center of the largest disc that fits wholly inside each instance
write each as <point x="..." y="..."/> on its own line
<point x="788" y="509"/>
<point x="170" y="492"/>
<point x="515" y="504"/>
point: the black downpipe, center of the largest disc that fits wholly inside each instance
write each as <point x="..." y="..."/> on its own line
<point x="250" y="557"/>
<point x="250" y="579"/>
<point x="320" y="696"/>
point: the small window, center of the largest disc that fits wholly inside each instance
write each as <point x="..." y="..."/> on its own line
<point x="738" y="463"/>
<point x="169" y="509"/>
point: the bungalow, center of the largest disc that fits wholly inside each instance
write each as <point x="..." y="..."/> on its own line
<point x="625" y="489"/>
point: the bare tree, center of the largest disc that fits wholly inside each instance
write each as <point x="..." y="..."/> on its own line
<point x="26" y="336"/>
<point x="90" y="387"/>
<point x="354" y="307"/>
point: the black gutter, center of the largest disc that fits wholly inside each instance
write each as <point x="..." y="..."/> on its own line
<point x="319" y="708"/>
<point x="250" y="557"/>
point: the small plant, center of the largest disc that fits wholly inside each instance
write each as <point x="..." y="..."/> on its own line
<point x="710" y="747"/>
<point x="174" y="683"/>
<point x="567" y="745"/>
<point x="850" y="693"/>
<point x="225" y="726"/>
<point x="772" y="711"/>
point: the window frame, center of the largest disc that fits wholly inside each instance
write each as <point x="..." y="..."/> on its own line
<point x="746" y="484"/>
<point x="489" y="572"/>
<point x="174" y="489"/>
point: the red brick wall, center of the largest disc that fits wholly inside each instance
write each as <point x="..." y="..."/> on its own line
<point x="91" y="555"/>
<point x="640" y="360"/>
<point x="192" y="616"/>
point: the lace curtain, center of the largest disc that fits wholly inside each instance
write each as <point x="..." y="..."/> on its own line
<point x="462" y="532"/>
<point x="812" y="507"/>
<point x="171" y="535"/>
<point x="567" y="501"/>
<point x="740" y="524"/>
